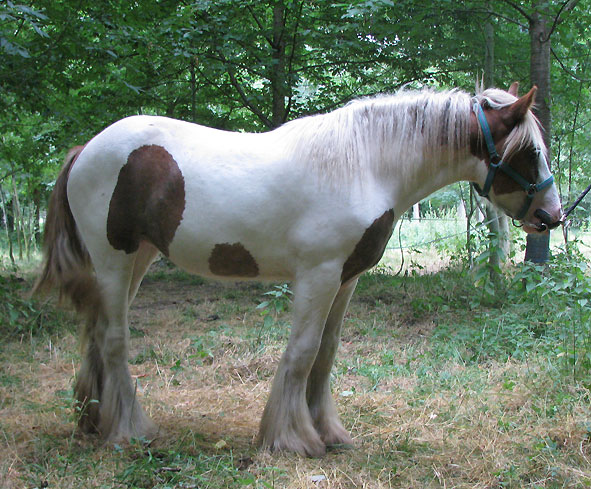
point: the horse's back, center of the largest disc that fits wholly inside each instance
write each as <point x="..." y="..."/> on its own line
<point x="218" y="203"/>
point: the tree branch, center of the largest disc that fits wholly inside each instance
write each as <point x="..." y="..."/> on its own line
<point x="519" y="9"/>
<point x="294" y="41"/>
<point x="566" y="6"/>
<point x="245" y="100"/>
<point x="294" y="38"/>
<point x="241" y="66"/>
<point x="566" y="70"/>
<point x="259" y="25"/>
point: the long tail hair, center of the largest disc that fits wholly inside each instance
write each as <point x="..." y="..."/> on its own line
<point x="67" y="265"/>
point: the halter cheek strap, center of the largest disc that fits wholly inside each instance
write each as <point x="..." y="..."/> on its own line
<point x="497" y="163"/>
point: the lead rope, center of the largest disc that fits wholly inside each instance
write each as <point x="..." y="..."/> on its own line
<point x="565" y="223"/>
<point x="576" y="203"/>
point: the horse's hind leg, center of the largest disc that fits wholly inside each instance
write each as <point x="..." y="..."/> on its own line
<point x="144" y="258"/>
<point x="320" y="401"/>
<point x="118" y="414"/>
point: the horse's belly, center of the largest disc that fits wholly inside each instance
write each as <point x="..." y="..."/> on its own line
<point x="220" y="254"/>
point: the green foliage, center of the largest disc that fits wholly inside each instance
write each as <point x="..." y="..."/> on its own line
<point x="535" y="310"/>
<point x="560" y="293"/>
<point x="278" y="302"/>
<point x="487" y="271"/>
<point x="22" y="316"/>
<point x="70" y="69"/>
<point x="179" y="467"/>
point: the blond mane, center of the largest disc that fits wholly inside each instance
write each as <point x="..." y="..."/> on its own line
<point x="388" y="132"/>
<point x="370" y="133"/>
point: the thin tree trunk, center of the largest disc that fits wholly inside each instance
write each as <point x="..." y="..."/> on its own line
<point x="468" y="227"/>
<point x="18" y="217"/>
<point x="193" y="92"/>
<point x="37" y="215"/>
<point x="538" y="245"/>
<point x="6" y="227"/>
<point x="277" y="75"/>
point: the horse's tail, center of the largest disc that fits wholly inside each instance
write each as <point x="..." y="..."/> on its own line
<point x="67" y="265"/>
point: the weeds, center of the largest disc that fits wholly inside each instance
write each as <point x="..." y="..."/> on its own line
<point x="557" y="296"/>
<point x="278" y="302"/>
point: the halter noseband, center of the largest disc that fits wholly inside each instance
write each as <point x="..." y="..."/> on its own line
<point x="497" y="163"/>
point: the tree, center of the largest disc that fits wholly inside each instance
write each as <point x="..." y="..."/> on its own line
<point x="541" y="23"/>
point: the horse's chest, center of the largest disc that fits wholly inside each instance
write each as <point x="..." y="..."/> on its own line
<point x="370" y="247"/>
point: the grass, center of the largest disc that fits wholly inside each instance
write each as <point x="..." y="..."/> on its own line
<point x="440" y="384"/>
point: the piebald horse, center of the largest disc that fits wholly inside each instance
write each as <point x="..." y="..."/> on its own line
<point x="313" y="202"/>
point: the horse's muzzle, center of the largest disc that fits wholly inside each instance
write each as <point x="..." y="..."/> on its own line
<point x="547" y="222"/>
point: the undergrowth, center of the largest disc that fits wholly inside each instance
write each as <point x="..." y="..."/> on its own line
<point x="22" y="315"/>
<point x="530" y="310"/>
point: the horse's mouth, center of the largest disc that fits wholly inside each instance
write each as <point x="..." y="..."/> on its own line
<point x="545" y="224"/>
<point x="535" y="228"/>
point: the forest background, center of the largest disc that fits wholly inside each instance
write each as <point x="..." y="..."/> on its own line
<point x="459" y="372"/>
<point x="70" y="69"/>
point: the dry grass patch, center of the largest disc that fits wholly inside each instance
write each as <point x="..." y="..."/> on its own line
<point x="204" y="365"/>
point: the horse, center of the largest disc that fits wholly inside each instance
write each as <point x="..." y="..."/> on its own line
<point x="312" y="202"/>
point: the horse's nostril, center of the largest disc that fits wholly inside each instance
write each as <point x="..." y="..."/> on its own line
<point x="543" y="216"/>
<point x="547" y="221"/>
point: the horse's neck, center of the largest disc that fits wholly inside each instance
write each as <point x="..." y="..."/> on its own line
<point x="425" y="148"/>
<point x="410" y="181"/>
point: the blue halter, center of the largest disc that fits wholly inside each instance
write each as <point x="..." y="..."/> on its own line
<point x="497" y="163"/>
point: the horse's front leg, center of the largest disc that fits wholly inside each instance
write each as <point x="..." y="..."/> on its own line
<point x="320" y="401"/>
<point x="286" y="423"/>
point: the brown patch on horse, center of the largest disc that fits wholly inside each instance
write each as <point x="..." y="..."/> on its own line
<point x="232" y="260"/>
<point x="370" y="247"/>
<point x="148" y="201"/>
<point x="522" y="162"/>
<point x="501" y="122"/>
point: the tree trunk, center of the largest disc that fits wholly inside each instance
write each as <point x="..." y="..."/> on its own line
<point x="18" y="222"/>
<point x="538" y="245"/>
<point x="489" y="51"/>
<point x="277" y="74"/>
<point x="497" y="222"/>
<point x="36" y="231"/>
<point x="7" y="228"/>
<point x="193" y="91"/>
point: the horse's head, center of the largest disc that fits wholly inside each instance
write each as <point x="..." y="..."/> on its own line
<point x="505" y="134"/>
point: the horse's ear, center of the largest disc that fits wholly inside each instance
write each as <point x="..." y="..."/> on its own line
<point x="518" y="109"/>
<point x="514" y="89"/>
